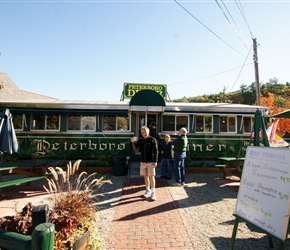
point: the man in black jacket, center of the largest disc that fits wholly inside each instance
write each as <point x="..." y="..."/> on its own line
<point x="148" y="147"/>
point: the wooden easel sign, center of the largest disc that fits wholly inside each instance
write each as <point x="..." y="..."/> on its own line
<point x="263" y="198"/>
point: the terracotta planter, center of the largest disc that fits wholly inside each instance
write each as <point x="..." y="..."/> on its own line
<point x="82" y="242"/>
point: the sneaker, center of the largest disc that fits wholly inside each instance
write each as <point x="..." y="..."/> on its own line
<point x="176" y="184"/>
<point x="162" y="176"/>
<point x="153" y="196"/>
<point x="146" y="194"/>
<point x="168" y="178"/>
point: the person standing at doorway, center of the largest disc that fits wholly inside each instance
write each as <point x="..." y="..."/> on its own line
<point x="153" y="131"/>
<point x="180" y="146"/>
<point x="167" y="154"/>
<point x="148" y="146"/>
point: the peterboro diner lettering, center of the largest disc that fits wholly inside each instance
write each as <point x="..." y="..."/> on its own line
<point x="130" y="89"/>
<point x="46" y="146"/>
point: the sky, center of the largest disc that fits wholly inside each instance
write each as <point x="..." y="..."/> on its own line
<point x="87" y="50"/>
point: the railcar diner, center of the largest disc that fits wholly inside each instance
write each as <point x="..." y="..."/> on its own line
<point x="63" y="129"/>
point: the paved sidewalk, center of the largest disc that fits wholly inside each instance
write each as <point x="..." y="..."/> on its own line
<point x="144" y="224"/>
<point x="138" y="224"/>
<point x="16" y="197"/>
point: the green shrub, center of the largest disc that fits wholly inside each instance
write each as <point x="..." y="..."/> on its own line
<point x="187" y="161"/>
<point x="105" y="160"/>
<point x="203" y="164"/>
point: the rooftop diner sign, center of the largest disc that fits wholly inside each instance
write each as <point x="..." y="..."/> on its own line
<point x="263" y="197"/>
<point x="130" y="89"/>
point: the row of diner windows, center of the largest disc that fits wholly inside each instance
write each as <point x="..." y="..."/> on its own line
<point x="203" y="123"/>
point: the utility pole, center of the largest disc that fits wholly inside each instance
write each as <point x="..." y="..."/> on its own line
<point x="255" y="57"/>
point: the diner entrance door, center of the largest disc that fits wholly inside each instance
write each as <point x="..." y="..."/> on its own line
<point x="145" y="119"/>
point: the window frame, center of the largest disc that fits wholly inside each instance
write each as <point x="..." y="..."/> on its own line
<point x="117" y="125"/>
<point x="22" y="122"/>
<point x="251" y="124"/>
<point x="204" y="123"/>
<point x="45" y="122"/>
<point x="81" y="123"/>
<point x="228" y="117"/>
<point x="176" y="126"/>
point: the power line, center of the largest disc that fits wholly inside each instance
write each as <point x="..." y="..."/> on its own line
<point x="210" y="75"/>
<point x="241" y="70"/>
<point x="237" y="29"/>
<point x="244" y="16"/>
<point x="207" y="27"/>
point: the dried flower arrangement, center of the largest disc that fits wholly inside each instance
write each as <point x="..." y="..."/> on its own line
<point x="73" y="209"/>
<point x="73" y="205"/>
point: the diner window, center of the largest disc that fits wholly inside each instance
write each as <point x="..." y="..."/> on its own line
<point x="228" y="124"/>
<point x="174" y="122"/>
<point x="45" y="122"/>
<point x="18" y="121"/>
<point x="79" y="122"/>
<point x="38" y="122"/>
<point x="203" y="123"/>
<point x="116" y="123"/>
<point x="52" y="122"/>
<point x="88" y="122"/>
<point x="247" y="124"/>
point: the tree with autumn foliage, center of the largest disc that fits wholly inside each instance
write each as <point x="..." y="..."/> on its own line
<point x="277" y="104"/>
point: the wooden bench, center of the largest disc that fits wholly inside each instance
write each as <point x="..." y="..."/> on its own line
<point x="21" y="167"/>
<point x="230" y="166"/>
<point x="23" y="180"/>
<point x="29" y="168"/>
<point x="221" y="166"/>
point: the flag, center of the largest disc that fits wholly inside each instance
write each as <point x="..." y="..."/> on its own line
<point x="275" y="140"/>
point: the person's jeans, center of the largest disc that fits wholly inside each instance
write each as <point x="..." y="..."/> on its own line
<point x="179" y="170"/>
<point x="163" y="164"/>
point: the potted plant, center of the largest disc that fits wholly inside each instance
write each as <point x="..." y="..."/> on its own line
<point x="72" y="209"/>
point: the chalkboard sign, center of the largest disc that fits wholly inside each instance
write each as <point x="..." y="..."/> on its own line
<point x="263" y="197"/>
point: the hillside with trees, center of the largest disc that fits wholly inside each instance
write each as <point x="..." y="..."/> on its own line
<point x="274" y="95"/>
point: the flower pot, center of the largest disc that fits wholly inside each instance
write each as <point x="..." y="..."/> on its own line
<point x="82" y="242"/>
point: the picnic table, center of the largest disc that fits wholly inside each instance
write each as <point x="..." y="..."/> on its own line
<point x="33" y="170"/>
<point x="231" y="166"/>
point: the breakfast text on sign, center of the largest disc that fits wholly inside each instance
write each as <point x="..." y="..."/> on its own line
<point x="263" y="197"/>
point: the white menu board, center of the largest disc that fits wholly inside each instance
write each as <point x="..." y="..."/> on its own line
<point x="263" y="197"/>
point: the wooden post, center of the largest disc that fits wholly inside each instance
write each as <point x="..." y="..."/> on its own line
<point x="39" y="215"/>
<point x="43" y="237"/>
<point x="258" y="92"/>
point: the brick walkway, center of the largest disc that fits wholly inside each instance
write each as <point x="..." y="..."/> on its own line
<point x="144" y="224"/>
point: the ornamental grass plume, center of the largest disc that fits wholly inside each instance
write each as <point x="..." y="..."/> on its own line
<point x="73" y="204"/>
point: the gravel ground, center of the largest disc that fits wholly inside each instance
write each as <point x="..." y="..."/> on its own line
<point x="208" y="208"/>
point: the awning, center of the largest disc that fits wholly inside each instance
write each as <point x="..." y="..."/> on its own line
<point x="147" y="100"/>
